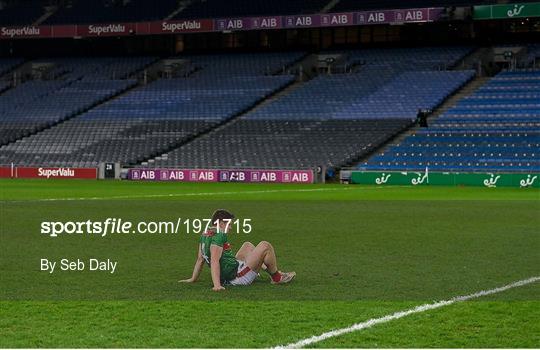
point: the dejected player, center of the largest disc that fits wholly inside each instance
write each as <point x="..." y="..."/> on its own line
<point x="239" y="269"/>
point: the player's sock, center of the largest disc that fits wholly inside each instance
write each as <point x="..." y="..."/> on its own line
<point x="276" y="276"/>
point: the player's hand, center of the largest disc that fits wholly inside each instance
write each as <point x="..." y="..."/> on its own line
<point x="189" y="280"/>
<point x="218" y="288"/>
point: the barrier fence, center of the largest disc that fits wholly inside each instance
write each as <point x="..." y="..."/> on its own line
<point x="300" y="176"/>
<point x="380" y="178"/>
<point x="223" y="175"/>
<point x="426" y="178"/>
<point x="47" y="172"/>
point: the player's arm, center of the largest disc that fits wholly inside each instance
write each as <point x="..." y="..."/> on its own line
<point x="215" y="255"/>
<point x="199" y="263"/>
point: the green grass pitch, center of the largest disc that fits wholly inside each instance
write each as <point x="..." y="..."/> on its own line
<point x="359" y="251"/>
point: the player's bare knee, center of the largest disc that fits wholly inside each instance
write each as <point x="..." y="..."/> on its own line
<point x="248" y="245"/>
<point x="266" y="245"/>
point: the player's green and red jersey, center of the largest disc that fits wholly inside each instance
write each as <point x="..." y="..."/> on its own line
<point x="228" y="263"/>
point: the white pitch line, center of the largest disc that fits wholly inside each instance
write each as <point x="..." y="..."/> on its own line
<point x="374" y="321"/>
<point x="165" y="195"/>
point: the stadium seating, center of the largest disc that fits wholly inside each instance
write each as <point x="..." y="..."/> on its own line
<point x="153" y="118"/>
<point x="404" y="95"/>
<point x="220" y="65"/>
<point x="345" y="96"/>
<point x="496" y="128"/>
<point x="7" y="64"/>
<point x="355" y="5"/>
<point x="276" y="143"/>
<point x="4" y="85"/>
<point x="330" y="120"/>
<point x="99" y="11"/>
<point x="533" y="55"/>
<point x="100" y="68"/>
<point x="314" y="124"/>
<point x="36" y="105"/>
<point x="21" y="13"/>
<point x="421" y="58"/>
<point x="233" y="8"/>
<point x="83" y="83"/>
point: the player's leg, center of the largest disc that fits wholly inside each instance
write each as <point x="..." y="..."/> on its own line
<point x="244" y="275"/>
<point x="243" y="252"/>
<point x="264" y="254"/>
<point x="246" y="248"/>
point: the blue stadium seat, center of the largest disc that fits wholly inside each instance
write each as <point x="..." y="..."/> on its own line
<point x="497" y="128"/>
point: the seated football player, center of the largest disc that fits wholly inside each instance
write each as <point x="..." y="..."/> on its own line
<point x="227" y="268"/>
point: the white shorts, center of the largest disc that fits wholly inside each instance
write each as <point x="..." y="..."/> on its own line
<point x="244" y="275"/>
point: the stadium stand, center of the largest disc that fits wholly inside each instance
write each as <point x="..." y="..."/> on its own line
<point x="4" y="85"/>
<point x="314" y="123"/>
<point x="355" y="5"/>
<point x="36" y="105"/>
<point x="7" y="64"/>
<point x="153" y="118"/>
<point x="83" y="83"/>
<point x="98" y="11"/>
<point x="328" y="95"/>
<point x="21" y="12"/>
<point x="274" y="143"/>
<point x="100" y="68"/>
<point x="496" y="128"/>
<point x="232" y="8"/>
<point x="404" y="95"/>
<point x="226" y="65"/>
<point x="533" y="55"/>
